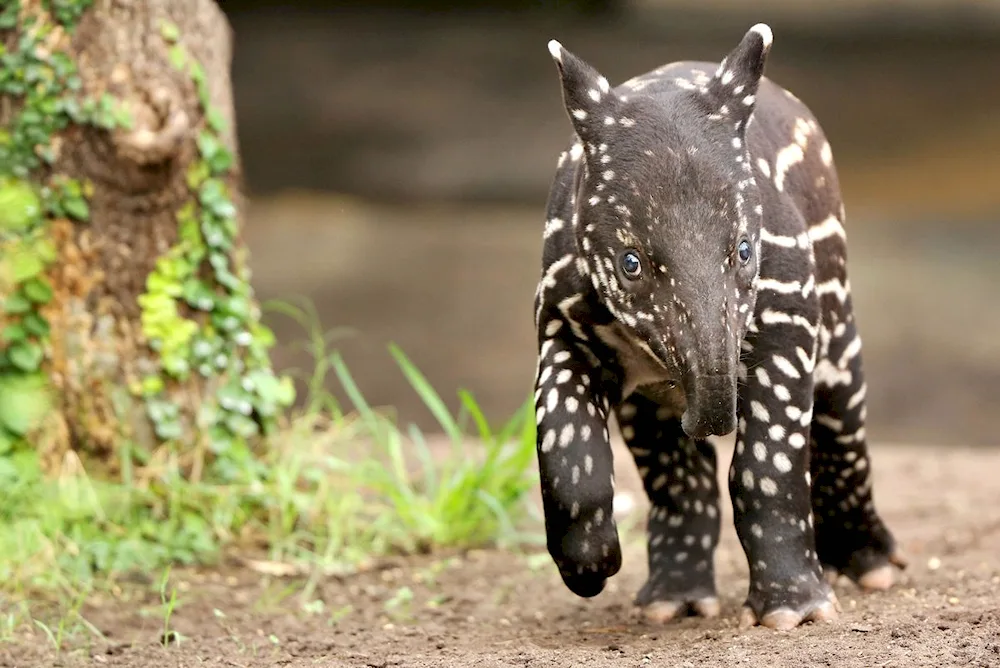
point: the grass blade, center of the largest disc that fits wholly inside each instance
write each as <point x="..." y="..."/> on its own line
<point x="430" y="398"/>
<point x="353" y="393"/>
<point x="426" y="458"/>
<point x="485" y="433"/>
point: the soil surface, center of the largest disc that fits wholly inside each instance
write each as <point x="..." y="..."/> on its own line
<point x="494" y="608"/>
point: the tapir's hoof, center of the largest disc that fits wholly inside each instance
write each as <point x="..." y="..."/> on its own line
<point x="785" y="619"/>
<point x="661" y="612"/>
<point x="877" y="578"/>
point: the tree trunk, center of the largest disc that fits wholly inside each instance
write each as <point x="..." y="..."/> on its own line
<point x="125" y="279"/>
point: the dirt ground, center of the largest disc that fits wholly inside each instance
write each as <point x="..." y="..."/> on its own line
<point x="492" y="608"/>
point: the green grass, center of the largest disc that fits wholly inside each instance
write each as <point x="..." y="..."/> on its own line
<point x="334" y="489"/>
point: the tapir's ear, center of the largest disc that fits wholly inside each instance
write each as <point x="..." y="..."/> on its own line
<point x="738" y="77"/>
<point x="586" y="93"/>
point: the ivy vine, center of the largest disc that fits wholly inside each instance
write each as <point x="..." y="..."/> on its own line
<point x="44" y="87"/>
<point x="200" y="274"/>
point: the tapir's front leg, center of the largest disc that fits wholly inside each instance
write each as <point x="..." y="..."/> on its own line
<point x="769" y="480"/>
<point x="575" y="466"/>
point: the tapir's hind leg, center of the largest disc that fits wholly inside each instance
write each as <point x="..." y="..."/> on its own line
<point x="851" y="538"/>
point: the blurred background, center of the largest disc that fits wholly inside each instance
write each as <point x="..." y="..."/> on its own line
<point x="398" y="157"/>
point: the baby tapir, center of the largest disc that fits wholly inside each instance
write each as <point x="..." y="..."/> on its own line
<point x="694" y="283"/>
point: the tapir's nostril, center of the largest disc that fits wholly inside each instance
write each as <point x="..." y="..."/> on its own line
<point x="711" y="406"/>
<point x="698" y="426"/>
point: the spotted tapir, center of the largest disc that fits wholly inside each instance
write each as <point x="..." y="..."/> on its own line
<point x="694" y="283"/>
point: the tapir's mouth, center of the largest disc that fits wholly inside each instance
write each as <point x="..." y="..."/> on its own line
<point x="710" y="398"/>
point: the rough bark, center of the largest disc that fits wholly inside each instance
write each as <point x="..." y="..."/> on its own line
<point x="163" y="66"/>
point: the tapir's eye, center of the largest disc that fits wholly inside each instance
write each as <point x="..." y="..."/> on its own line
<point x="630" y="264"/>
<point x="744" y="251"/>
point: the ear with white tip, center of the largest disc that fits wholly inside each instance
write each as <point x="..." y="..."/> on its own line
<point x="587" y="94"/>
<point x="736" y="81"/>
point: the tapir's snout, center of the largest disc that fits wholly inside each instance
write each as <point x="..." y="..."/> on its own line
<point x="711" y="405"/>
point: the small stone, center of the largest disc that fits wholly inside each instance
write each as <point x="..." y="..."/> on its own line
<point x="933" y="564"/>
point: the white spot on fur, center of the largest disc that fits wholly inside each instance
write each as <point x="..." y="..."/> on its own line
<point x="826" y="154"/>
<point x="787" y="158"/>
<point x="765" y="33"/>
<point x="555" y="48"/>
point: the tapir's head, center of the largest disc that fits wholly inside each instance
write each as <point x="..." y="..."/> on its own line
<point x="667" y="216"/>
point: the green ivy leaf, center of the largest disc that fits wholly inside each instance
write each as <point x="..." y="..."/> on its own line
<point x="220" y="440"/>
<point x="271" y="391"/>
<point x="263" y="337"/>
<point x="13" y="333"/>
<point x="196" y="175"/>
<point x="170" y="31"/>
<point x="24" y="401"/>
<point x="152" y="385"/>
<point x="16" y="304"/>
<point x="25" y="264"/>
<point x="216" y="120"/>
<point x="38" y="290"/>
<point x="7" y="442"/>
<point x="121" y="117"/>
<point x="286" y="392"/>
<point x="46" y="250"/>
<point x="36" y="325"/>
<point x="208" y="145"/>
<point x="177" y="56"/>
<point x="238" y="306"/>
<point x="25" y="355"/>
<point x="214" y="196"/>
<point x="8" y="17"/>
<point x="158" y="284"/>
<point x="168" y="430"/>
<point x="77" y="207"/>
<point x="219" y="158"/>
<point x="227" y="279"/>
<point x="198" y="295"/>
<point x="241" y="425"/>
<point x="177" y="367"/>
<point x="19" y="206"/>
